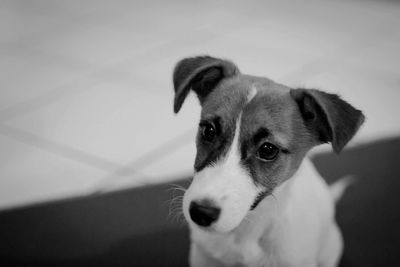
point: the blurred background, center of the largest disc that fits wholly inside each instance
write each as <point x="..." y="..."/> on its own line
<point x="89" y="144"/>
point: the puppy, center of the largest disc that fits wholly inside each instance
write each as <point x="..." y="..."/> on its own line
<point x="255" y="199"/>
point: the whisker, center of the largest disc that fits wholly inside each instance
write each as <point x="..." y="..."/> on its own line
<point x="177" y="187"/>
<point x="175" y="212"/>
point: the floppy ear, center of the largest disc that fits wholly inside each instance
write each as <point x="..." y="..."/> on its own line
<point x="201" y="74"/>
<point x="328" y="117"/>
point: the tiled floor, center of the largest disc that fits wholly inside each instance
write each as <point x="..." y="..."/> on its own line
<point x="86" y="94"/>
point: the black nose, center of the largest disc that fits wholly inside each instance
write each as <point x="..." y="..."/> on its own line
<point x="204" y="213"/>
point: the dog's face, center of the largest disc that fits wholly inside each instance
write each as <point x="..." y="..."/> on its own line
<point x="252" y="136"/>
<point x="250" y="139"/>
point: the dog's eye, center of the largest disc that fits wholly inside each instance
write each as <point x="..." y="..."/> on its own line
<point x="208" y="132"/>
<point x="267" y="152"/>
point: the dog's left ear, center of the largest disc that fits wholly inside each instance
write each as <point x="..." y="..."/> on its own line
<point x="201" y="74"/>
<point x="328" y="117"/>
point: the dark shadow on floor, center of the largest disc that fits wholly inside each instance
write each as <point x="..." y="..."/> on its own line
<point x="132" y="227"/>
<point x="369" y="212"/>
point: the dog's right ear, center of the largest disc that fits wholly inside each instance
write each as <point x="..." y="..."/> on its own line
<point x="201" y="74"/>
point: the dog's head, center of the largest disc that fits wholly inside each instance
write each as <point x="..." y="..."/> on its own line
<point x="252" y="136"/>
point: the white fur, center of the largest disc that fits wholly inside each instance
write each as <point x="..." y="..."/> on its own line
<point x="252" y="93"/>
<point x="296" y="228"/>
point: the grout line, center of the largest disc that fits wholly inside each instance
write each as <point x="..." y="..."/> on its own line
<point x="60" y="149"/>
<point x="115" y="170"/>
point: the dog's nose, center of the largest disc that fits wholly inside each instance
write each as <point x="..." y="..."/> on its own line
<point x="204" y="213"/>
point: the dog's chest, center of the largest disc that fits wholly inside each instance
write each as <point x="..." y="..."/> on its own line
<point x="239" y="248"/>
<point x="233" y="252"/>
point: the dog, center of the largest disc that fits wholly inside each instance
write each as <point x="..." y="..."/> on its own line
<point x="255" y="198"/>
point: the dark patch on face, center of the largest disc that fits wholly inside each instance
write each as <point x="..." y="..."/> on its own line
<point x="222" y="108"/>
<point x="272" y="117"/>
<point x="260" y="135"/>
<point x="262" y="119"/>
<point x="210" y="153"/>
<point x="215" y="121"/>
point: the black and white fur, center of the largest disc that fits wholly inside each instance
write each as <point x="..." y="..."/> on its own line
<point x="255" y="199"/>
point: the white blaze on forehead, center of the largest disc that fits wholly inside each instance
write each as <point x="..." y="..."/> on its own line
<point x="233" y="156"/>
<point x="252" y="93"/>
